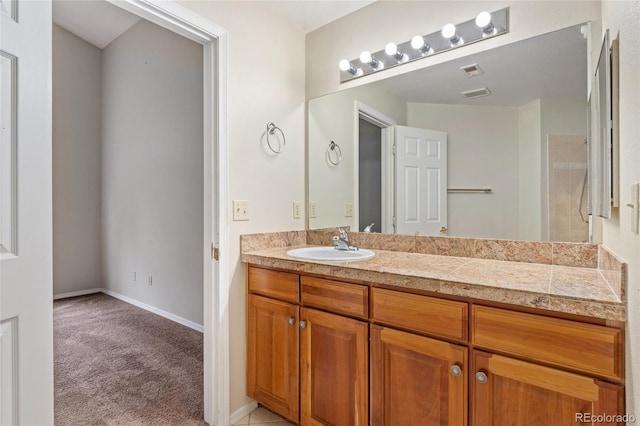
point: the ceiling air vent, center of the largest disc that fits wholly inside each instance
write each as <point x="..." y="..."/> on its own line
<point x="472" y="70"/>
<point x="476" y="93"/>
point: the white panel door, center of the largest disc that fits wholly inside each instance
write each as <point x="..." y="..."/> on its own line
<point x="26" y="308"/>
<point x="421" y="181"/>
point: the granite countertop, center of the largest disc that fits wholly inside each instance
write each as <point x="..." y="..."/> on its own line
<point x="566" y="289"/>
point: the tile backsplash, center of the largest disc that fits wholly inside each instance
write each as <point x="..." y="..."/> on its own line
<point x="614" y="271"/>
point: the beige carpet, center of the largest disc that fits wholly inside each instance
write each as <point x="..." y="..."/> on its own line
<point x="116" y="364"/>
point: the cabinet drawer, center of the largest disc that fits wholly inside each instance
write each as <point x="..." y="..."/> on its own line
<point x="336" y="296"/>
<point x="592" y="349"/>
<point x="430" y="315"/>
<point x="276" y="284"/>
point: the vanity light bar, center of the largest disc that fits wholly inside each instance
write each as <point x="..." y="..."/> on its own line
<point x="486" y="25"/>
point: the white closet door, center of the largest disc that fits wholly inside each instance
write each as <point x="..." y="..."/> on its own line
<point x="26" y="306"/>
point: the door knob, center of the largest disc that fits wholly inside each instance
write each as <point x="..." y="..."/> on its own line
<point x="443" y="229"/>
<point x="303" y="324"/>
<point x="291" y="320"/>
<point x="481" y="377"/>
<point x="456" y="370"/>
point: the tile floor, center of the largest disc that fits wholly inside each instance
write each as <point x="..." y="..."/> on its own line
<point x="262" y="417"/>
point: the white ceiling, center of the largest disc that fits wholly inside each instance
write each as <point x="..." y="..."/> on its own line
<point x="99" y="22"/>
<point x="309" y="15"/>
<point x="544" y="67"/>
<point x="94" y="21"/>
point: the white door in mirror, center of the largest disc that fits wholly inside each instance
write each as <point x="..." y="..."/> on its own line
<point x="421" y="181"/>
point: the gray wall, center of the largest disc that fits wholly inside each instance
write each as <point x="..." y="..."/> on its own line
<point x="76" y="163"/>
<point x="152" y="169"/>
<point x="128" y="175"/>
<point x="370" y="175"/>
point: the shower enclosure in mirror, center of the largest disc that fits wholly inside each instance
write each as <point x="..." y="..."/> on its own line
<point x="512" y="125"/>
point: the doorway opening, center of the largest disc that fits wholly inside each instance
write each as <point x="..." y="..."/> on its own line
<point x="373" y="170"/>
<point x="213" y="40"/>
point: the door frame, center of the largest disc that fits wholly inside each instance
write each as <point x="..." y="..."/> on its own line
<point x="214" y="40"/>
<point x="386" y="124"/>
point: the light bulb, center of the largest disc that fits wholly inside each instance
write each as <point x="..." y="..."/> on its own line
<point x="417" y="42"/>
<point x="420" y="44"/>
<point x="365" y="57"/>
<point x="391" y="49"/>
<point x="449" y="31"/>
<point x="483" y="19"/>
<point x="345" y="65"/>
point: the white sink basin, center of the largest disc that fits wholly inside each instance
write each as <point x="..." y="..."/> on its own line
<point x="329" y="253"/>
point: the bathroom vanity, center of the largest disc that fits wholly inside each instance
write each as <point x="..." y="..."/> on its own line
<point x="412" y="337"/>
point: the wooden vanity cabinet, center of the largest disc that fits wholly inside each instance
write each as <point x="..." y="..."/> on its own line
<point x="510" y="384"/>
<point x="507" y="391"/>
<point x="327" y="352"/>
<point x="306" y="364"/>
<point x="334" y="382"/>
<point x="272" y="355"/>
<point x="416" y="380"/>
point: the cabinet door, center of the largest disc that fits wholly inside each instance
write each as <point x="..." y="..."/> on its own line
<point x="416" y="380"/>
<point x="272" y="355"/>
<point x="334" y="369"/>
<point x="507" y="391"/>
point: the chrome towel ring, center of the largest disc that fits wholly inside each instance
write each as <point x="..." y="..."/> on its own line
<point x="271" y="130"/>
<point x="334" y="153"/>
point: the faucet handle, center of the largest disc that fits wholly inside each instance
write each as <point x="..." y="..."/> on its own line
<point x="343" y="233"/>
<point x="340" y="244"/>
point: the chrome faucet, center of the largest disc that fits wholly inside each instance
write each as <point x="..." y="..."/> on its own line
<point x="342" y="242"/>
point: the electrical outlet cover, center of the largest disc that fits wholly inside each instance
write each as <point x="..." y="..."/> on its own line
<point x="348" y="210"/>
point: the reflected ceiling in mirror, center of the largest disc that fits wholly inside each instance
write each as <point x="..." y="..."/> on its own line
<point x="524" y="140"/>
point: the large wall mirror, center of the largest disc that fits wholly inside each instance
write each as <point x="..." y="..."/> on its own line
<point x="491" y="145"/>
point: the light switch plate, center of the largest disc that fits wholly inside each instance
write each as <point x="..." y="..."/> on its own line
<point x="240" y="210"/>
<point x="313" y="210"/>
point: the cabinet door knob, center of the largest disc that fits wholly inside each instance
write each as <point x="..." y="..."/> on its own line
<point x="456" y="370"/>
<point x="303" y="324"/>
<point x="291" y="320"/>
<point x="481" y="377"/>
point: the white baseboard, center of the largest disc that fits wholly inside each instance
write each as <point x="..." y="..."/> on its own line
<point x="77" y="293"/>
<point x="155" y="310"/>
<point x="134" y="302"/>
<point x="242" y="412"/>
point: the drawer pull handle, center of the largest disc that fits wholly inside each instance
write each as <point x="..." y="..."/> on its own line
<point x="456" y="370"/>
<point x="291" y="320"/>
<point x="303" y="324"/>
<point x="481" y="377"/>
